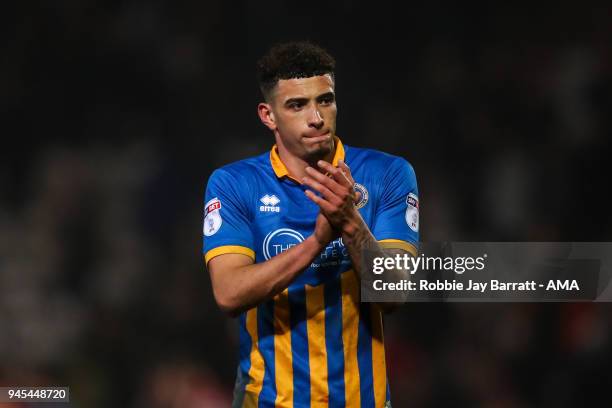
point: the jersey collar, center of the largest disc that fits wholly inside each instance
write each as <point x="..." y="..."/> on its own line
<point x="281" y="170"/>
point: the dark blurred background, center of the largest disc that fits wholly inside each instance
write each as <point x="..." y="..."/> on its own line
<point x="115" y="113"/>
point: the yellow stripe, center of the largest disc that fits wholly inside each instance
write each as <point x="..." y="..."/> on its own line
<point x="283" y="366"/>
<point x="229" y="249"/>
<point x="317" y="349"/>
<point x="350" y="331"/>
<point x="399" y="244"/>
<point x="250" y="400"/>
<point x="379" y="366"/>
<point x="256" y="372"/>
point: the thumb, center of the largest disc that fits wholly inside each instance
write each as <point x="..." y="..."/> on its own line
<point x="357" y="196"/>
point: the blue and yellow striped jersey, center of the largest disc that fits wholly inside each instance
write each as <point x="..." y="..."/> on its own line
<point x="315" y="344"/>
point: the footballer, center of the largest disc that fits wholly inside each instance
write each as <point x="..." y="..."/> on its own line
<point x="284" y="234"/>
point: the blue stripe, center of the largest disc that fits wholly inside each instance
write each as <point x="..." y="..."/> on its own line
<point x="299" y="347"/>
<point x="364" y="356"/>
<point x="388" y="390"/>
<point x="245" y="349"/>
<point x="333" y="339"/>
<point x="265" y="327"/>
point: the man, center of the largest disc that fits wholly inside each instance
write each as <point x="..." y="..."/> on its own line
<point x="283" y="239"/>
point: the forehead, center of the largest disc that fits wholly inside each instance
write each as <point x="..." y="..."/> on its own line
<point x="304" y="87"/>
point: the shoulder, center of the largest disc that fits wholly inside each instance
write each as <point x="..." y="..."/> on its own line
<point x="242" y="170"/>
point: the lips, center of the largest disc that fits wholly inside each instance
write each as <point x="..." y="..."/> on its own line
<point x="318" y="137"/>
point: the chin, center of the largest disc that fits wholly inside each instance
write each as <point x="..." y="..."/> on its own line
<point x="319" y="151"/>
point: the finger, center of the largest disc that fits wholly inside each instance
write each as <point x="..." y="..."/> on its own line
<point x="347" y="173"/>
<point x="324" y="205"/>
<point x="346" y="170"/>
<point x="336" y="173"/>
<point x="327" y="182"/>
<point x="342" y="174"/>
<point x="323" y="190"/>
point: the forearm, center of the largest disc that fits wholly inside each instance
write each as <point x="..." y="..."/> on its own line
<point x="248" y="285"/>
<point x="358" y="238"/>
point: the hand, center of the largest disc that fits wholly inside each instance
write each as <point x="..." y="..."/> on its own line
<point x="337" y="200"/>
<point x="324" y="233"/>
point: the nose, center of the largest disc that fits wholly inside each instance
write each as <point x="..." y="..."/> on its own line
<point x="315" y="119"/>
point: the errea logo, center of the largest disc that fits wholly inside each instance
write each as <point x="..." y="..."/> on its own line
<point x="270" y="203"/>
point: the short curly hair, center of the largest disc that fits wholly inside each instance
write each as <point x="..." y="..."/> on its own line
<point x="299" y="59"/>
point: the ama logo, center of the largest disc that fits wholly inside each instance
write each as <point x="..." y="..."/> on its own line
<point x="279" y="241"/>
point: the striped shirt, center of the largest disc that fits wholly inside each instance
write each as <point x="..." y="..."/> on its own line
<point x="315" y="344"/>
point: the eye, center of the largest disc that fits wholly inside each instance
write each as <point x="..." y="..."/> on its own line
<point x="327" y="100"/>
<point x="295" y="105"/>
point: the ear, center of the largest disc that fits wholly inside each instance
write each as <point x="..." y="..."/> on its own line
<point x="264" y="110"/>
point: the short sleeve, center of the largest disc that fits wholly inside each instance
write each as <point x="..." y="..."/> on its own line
<point x="396" y="220"/>
<point x="227" y="226"/>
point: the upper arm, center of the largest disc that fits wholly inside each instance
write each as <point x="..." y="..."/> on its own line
<point x="224" y="270"/>
<point x="227" y="221"/>
<point x="397" y="211"/>
<point x="228" y="239"/>
<point x="391" y="306"/>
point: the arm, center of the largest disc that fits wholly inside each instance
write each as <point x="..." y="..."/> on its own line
<point x="357" y="237"/>
<point x="239" y="284"/>
<point x="337" y="204"/>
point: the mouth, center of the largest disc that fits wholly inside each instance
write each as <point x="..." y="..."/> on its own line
<point x="318" y="137"/>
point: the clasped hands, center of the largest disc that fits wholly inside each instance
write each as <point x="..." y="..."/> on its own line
<point x="336" y="200"/>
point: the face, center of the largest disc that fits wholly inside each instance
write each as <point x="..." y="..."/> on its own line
<point x="302" y="114"/>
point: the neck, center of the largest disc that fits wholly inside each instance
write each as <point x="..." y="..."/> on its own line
<point x="296" y="166"/>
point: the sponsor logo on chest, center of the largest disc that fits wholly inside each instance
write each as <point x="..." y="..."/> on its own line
<point x="280" y="240"/>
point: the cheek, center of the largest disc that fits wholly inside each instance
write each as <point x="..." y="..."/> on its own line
<point x="330" y="114"/>
<point x="290" y="124"/>
<point x="298" y="119"/>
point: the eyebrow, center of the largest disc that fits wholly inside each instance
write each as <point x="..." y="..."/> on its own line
<point x="297" y="100"/>
<point x="326" y="95"/>
<point x="302" y="100"/>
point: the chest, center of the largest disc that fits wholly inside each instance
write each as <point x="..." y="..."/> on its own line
<point x="283" y="216"/>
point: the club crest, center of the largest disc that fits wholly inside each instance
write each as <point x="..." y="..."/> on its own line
<point x="363" y="199"/>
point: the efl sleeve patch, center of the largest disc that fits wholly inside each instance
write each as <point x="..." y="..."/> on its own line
<point x="212" y="217"/>
<point x="412" y="212"/>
